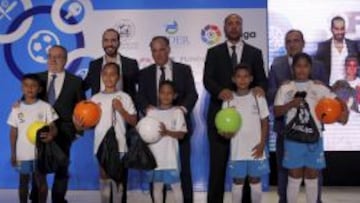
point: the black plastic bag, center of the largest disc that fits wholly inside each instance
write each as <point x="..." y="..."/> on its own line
<point x="302" y="128"/>
<point x="139" y="155"/>
<point x="49" y="155"/>
<point x="109" y="157"/>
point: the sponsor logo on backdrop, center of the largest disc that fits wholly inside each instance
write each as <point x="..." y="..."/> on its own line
<point x="40" y="43"/>
<point x="172" y="30"/>
<point x="249" y="35"/>
<point x="127" y="31"/>
<point x="211" y="34"/>
<point x="74" y="10"/>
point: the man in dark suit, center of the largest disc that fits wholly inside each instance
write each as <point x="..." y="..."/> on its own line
<point x="280" y="72"/>
<point x="129" y="67"/>
<point x="64" y="91"/>
<point x="333" y="51"/>
<point x="219" y="64"/>
<point x="147" y="98"/>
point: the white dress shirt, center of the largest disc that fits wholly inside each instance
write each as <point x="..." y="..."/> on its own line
<point x="58" y="84"/>
<point x="119" y="85"/>
<point x="239" y="46"/>
<point x="168" y="72"/>
<point x="337" y="62"/>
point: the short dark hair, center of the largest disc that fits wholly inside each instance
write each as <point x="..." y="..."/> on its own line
<point x="231" y="14"/>
<point x="168" y="83"/>
<point x="242" y="66"/>
<point x="112" y="64"/>
<point x="296" y="31"/>
<point x="299" y="56"/>
<point x="335" y="19"/>
<point x="34" y="77"/>
<point x="160" y="37"/>
<point x="351" y="57"/>
<point x="112" y="30"/>
<point x="63" y="49"/>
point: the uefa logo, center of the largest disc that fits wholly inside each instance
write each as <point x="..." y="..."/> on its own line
<point x="211" y="34"/>
<point x="126" y="29"/>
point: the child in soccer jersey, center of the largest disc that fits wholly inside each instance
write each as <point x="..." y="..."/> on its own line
<point x="117" y="109"/>
<point x="29" y="110"/>
<point x="303" y="160"/>
<point x="247" y="148"/>
<point x="166" y="150"/>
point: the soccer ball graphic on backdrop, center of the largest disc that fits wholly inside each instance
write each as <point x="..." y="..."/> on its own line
<point x="40" y="43"/>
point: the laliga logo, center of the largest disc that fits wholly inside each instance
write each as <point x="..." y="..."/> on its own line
<point x="211" y="34"/>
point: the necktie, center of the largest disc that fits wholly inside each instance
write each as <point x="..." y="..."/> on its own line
<point x="234" y="61"/>
<point x="51" y="91"/>
<point x="162" y="75"/>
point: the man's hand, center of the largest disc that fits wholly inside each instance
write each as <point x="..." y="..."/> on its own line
<point x="258" y="92"/>
<point x="149" y="108"/>
<point x="258" y="150"/>
<point x="225" y="95"/>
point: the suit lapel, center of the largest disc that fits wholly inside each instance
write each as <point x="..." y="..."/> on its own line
<point x="226" y="56"/>
<point x="63" y="88"/>
<point x="153" y="83"/>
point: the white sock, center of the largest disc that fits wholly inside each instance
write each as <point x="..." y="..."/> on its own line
<point x="292" y="190"/>
<point x="311" y="189"/>
<point x="177" y="190"/>
<point x="256" y="192"/>
<point x="117" y="191"/>
<point x="158" y="192"/>
<point x="236" y="193"/>
<point x="105" y="189"/>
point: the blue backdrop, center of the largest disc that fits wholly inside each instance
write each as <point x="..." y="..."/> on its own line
<point x="23" y="24"/>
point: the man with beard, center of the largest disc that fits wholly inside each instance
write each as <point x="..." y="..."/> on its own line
<point x="281" y="71"/>
<point x="333" y="51"/>
<point x="128" y="67"/>
<point x="129" y="70"/>
<point x="219" y="64"/>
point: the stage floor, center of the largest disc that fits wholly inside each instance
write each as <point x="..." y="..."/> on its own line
<point x="330" y="195"/>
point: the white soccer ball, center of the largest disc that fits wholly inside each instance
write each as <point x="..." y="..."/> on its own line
<point x="148" y="129"/>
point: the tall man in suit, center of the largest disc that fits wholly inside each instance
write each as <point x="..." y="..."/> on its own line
<point x="333" y="51"/>
<point x="219" y="64"/>
<point x="280" y="72"/>
<point x="63" y="91"/>
<point x="129" y="67"/>
<point x="181" y="74"/>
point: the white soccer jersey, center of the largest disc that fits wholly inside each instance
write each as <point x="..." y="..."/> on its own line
<point x="166" y="150"/>
<point x="104" y="100"/>
<point x="21" y="118"/>
<point x="252" y="111"/>
<point x="315" y="92"/>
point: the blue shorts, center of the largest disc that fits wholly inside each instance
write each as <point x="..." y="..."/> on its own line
<point x="252" y="168"/>
<point x="299" y="155"/>
<point x="165" y="176"/>
<point x="26" y="167"/>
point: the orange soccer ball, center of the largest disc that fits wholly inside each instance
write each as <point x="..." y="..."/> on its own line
<point x="328" y="110"/>
<point x="88" y="112"/>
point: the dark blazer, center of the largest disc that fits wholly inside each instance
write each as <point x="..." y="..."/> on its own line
<point x="281" y="71"/>
<point x="129" y="68"/>
<point x="184" y="83"/>
<point x="71" y="93"/>
<point x="323" y="52"/>
<point x="218" y="73"/>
